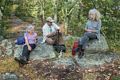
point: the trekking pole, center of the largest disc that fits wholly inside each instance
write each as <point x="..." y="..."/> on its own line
<point x="58" y="37"/>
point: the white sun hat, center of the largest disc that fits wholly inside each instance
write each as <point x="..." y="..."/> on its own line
<point x="49" y="19"/>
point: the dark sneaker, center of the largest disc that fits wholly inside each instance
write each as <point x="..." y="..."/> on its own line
<point x="17" y="59"/>
<point x="22" y="61"/>
<point x="81" y="54"/>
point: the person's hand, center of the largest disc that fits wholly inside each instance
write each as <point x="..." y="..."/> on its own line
<point x="29" y="48"/>
<point x="58" y="30"/>
<point x="89" y="30"/>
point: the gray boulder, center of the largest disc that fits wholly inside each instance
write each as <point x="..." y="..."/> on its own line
<point x="7" y="45"/>
<point x="97" y="59"/>
<point x="9" y="76"/>
<point x="4" y="43"/>
<point x="9" y="50"/>
<point x="18" y="50"/>
<point x="42" y="52"/>
<point x="66" y="61"/>
<point x="93" y="45"/>
<point x="97" y="45"/>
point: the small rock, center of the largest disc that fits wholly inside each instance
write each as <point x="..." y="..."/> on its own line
<point x="9" y="76"/>
<point x="119" y="67"/>
<point x="9" y="52"/>
<point x="4" y="43"/>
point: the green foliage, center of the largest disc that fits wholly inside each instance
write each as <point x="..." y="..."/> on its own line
<point x="4" y="25"/>
<point x="116" y="78"/>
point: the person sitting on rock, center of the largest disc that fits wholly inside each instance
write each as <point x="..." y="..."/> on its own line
<point x="51" y="32"/>
<point x="52" y="35"/>
<point x="30" y="43"/>
<point x="92" y="30"/>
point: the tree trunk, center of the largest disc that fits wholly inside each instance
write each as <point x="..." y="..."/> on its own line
<point x="55" y="10"/>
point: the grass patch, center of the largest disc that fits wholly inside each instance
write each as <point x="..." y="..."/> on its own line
<point x="116" y="78"/>
<point x="8" y="64"/>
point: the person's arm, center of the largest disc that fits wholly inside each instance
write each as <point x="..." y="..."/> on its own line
<point x="56" y="26"/>
<point x="99" y="26"/>
<point x="86" y="27"/>
<point x="45" y="31"/>
<point x="89" y="30"/>
<point x="27" y="43"/>
<point x="36" y="37"/>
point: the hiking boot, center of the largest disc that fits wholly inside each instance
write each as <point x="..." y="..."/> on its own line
<point x="21" y="60"/>
<point x="17" y="59"/>
<point x="81" y="52"/>
<point x="24" y="60"/>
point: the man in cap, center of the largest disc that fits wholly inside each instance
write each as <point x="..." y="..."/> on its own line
<point x="50" y="31"/>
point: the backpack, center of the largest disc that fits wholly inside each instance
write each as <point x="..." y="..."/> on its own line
<point x="75" y="47"/>
<point x="20" y="40"/>
<point x="59" y="48"/>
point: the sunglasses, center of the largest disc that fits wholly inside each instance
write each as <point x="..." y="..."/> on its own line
<point x="49" y="21"/>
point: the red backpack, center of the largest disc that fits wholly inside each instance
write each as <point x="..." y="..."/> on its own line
<point x="75" y="47"/>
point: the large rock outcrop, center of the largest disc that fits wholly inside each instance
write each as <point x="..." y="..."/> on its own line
<point x="96" y="59"/>
<point x="42" y="52"/>
<point x="7" y="47"/>
<point x="95" y="53"/>
<point x="93" y="45"/>
<point x="97" y="45"/>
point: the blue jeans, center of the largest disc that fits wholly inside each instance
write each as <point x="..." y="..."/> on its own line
<point x="86" y="37"/>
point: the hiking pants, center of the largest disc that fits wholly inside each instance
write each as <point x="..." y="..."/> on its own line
<point x="55" y="38"/>
<point x="26" y="52"/>
<point x="86" y="37"/>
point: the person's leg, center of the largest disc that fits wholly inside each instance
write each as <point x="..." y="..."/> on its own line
<point x="92" y="35"/>
<point x="81" y="45"/>
<point x="33" y="47"/>
<point x="83" y="42"/>
<point x="25" y="53"/>
<point x="49" y="41"/>
<point x="23" y="59"/>
<point x="50" y="38"/>
<point x="51" y="34"/>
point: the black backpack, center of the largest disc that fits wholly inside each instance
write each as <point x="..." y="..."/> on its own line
<point x="60" y="48"/>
